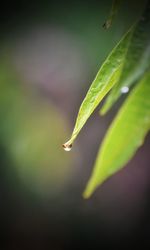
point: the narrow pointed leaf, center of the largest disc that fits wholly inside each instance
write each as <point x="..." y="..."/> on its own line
<point x="113" y="12"/>
<point x="137" y="59"/>
<point x="107" y="76"/>
<point x="125" y="135"/>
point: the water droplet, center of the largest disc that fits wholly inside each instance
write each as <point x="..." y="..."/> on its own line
<point x="67" y="147"/>
<point x="124" y="89"/>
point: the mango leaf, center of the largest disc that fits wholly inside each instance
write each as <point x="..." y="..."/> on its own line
<point x="125" y="135"/>
<point x="137" y="60"/>
<point x="107" y="76"/>
<point x="112" y="15"/>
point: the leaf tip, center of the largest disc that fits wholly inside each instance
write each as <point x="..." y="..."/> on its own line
<point x="102" y="112"/>
<point x="107" y="24"/>
<point x="86" y="195"/>
<point x="106" y="107"/>
<point x="90" y="188"/>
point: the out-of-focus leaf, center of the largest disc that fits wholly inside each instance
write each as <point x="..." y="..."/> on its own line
<point x="107" y="76"/>
<point x="125" y="135"/>
<point x="137" y="59"/>
<point x="112" y="15"/>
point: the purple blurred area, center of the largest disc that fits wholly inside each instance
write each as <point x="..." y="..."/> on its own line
<point x="50" y="53"/>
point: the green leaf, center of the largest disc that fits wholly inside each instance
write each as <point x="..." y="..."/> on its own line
<point x="137" y="59"/>
<point x="125" y="135"/>
<point x="107" y="76"/>
<point x="113" y="12"/>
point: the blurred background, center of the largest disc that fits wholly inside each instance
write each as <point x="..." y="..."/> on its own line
<point x="50" y="52"/>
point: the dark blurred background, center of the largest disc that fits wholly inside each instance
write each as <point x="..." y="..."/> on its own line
<point x="50" y="52"/>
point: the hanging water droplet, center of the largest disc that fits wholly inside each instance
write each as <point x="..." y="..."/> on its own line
<point x="67" y="147"/>
<point x="124" y="89"/>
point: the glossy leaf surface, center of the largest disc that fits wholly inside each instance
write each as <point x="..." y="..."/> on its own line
<point x="137" y="60"/>
<point x="105" y="79"/>
<point x="125" y="135"/>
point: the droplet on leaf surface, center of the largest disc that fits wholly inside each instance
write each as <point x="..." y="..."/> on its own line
<point x="124" y="89"/>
